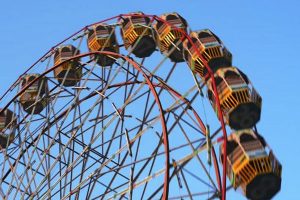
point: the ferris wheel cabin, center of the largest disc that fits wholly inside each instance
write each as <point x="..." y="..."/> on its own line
<point x="169" y="37"/>
<point x="250" y="166"/>
<point x="68" y="73"/>
<point x="210" y="47"/>
<point x="240" y="103"/>
<point x="7" y="128"/>
<point x="137" y="34"/>
<point x="102" y="37"/>
<point x="33" y="98"/>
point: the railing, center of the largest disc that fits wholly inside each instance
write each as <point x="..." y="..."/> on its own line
<point x="214" y="52"/>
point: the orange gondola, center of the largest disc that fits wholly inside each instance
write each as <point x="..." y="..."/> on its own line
<point x="7" y="127"/>
<point x="169" y="35"/>
<point x="69" y="73"/>
<point x="240" y="102"/>
<point x="250" y="166"/>
<point x="137" y="34"/>
<point x="211" y="49"/>
<point x="33" y="99"/>
<point x="102" y="37"/>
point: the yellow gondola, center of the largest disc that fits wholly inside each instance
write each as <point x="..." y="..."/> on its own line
<point x="69" y="73"/>
<point x="250" y="166"/>
<point x="33" y="99"/>
<point x="137" y="34"/>
<point x="210" y="47"/>
<point x="7" y="128"/>
<point x="169" y="37"/>
<point x="102" y="37"/>
<point x="240" y="102"/>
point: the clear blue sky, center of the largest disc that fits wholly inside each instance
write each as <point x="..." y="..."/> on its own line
<point x="263" y="37"/>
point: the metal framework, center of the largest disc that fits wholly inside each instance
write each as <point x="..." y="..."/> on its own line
<point x="123" y="132"/>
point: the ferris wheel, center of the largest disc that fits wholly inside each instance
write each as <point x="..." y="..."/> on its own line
<point x="135" y="107"/>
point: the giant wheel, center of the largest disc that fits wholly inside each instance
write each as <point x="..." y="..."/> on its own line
<point x="97" y="118"/>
